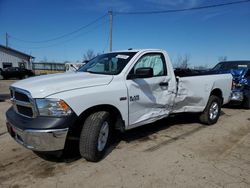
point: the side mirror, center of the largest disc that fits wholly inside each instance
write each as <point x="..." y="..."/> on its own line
<point x="145" y="72"/>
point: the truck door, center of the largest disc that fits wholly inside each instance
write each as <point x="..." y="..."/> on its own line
<point x="150" y="98"/>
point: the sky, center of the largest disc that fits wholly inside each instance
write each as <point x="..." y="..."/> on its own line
<point x="204" y="35"/>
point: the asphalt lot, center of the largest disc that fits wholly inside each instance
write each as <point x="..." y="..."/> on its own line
<point x="174" y="152"/>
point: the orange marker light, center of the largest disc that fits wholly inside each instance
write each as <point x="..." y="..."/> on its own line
<point x="63" y="105"/>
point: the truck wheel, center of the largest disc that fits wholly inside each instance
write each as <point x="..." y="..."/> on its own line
<point x="95" y="136"/>
<point x="246" y="103"/>
<point x="212" y="111"/>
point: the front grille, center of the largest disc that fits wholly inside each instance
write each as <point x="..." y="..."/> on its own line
<point x="11" y="93"/>
<point x="21" y="97"/>
<point x="27" y="111"/>
<point x="22" y="102"/>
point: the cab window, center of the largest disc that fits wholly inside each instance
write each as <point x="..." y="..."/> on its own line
<point x="155" y="61"/>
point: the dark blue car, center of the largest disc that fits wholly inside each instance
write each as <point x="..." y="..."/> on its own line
<point x="240" y="71"/>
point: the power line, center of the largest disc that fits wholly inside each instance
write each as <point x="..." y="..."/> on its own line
<point x="184" y="9"/>
<point x="64" y="35"/>
<point x="77" y="36"/>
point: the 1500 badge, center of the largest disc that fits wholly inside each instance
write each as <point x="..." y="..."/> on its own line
<point x="134" y="98"/>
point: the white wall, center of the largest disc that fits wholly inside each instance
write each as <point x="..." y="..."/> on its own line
<point x="8" y="58"/>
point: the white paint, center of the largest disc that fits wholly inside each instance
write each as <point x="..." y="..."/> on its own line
<point x="84" y="90"/>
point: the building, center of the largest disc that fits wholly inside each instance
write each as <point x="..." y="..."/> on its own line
<point x="12" y="58"/>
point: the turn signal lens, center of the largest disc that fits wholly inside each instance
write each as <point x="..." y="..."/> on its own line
<point x="63" y="105"/>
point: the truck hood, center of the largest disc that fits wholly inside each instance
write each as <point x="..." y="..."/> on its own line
<point x="43" y="86"/>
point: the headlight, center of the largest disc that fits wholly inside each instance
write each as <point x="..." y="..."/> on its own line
<point x="52" y="107"/>
<point x="236" y="85"/>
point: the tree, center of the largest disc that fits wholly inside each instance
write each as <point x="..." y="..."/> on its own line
<point x="45" y="59"/>
<point x="89" y="55"/>
<point x="222" y="58"/>
<point x="201" y="67"/>
<point x="182" y="62"/>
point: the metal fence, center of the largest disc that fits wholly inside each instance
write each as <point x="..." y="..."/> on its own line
<point x="48" y="68"/>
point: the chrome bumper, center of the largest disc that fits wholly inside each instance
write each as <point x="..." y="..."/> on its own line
<point x="39" y="140"/>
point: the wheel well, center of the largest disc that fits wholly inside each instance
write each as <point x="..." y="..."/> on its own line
<point x="217" y="92"/>
<point x="115" y="114"/>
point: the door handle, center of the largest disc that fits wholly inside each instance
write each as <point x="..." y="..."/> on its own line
<point x="164" y="84"/>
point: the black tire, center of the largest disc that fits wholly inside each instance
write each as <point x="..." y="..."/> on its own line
<point x="89" y="138"/>
<point x="1" y="76"/>
<point x="246" y="103"/>
<point x="205" y="117"/>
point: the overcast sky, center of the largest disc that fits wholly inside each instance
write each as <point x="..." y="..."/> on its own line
<point x="203" y="34"/>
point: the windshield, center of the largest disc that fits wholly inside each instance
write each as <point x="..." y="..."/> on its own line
<point x="111" y="63"/>
<point x="232" y="65"/>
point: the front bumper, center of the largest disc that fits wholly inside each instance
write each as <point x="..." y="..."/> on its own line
<point x="39" y="140"/>
<point x="40" y="133"/>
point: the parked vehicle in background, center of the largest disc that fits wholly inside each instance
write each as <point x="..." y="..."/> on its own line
<point x="119" y="90"/>
<point x="240" y="71"/>
<point x="16" y="72"/>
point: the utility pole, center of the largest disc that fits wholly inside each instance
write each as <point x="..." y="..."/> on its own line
<point x="110" y="29"/>
<point x="6" y="40"/>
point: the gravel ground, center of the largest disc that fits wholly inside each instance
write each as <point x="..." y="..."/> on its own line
<point x="174" y="152"/>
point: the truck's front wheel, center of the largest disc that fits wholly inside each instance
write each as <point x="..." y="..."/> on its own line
<point x="212" y="111"/>
<point x="95" y="136"/>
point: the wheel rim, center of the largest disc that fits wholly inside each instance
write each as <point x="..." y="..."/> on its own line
<point x="213" y="111"/>
<point x="103" y="136"/>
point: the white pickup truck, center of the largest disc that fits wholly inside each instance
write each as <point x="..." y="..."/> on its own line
<point x="119" y="90"/>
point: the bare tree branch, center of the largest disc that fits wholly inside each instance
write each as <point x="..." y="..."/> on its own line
<point x="222" y="58"/>
<point x="182" y="62"/>
<point x="88" y="55"/>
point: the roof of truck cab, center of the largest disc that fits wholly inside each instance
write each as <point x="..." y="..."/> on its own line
<point x="137" y="50"/>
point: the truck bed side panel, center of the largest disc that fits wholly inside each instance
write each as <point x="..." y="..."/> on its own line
<point x="193" y="92"/>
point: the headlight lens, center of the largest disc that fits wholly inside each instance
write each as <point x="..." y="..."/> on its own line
<point x="52" y="107"/>
<point x="236" y="85"/>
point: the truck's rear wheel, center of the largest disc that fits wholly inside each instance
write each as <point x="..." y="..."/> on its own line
<point x="95" y="136"/>
<point x="1" y="76"/>
<point x="246" y="103"/>
<point x="212" y="111"/>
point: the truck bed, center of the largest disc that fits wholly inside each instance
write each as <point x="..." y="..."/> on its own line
<point x="193" y="91"/>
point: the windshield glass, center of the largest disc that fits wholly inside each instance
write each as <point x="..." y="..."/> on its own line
<point x="111" y="63"/>
<point x="232" y="65"/>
